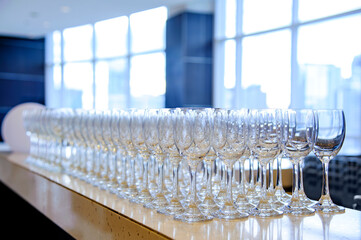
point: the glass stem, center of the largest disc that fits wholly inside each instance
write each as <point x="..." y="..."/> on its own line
<point x="209" y="178"/>
<point x="124" y="175"/>
<point x="301" y="175"/>
<point x="175" y="180"/>
<point x="242" y="189"/>
<point x="264" y="181"/>
<point x="145" y="172"/>
<point x="132" y="177"/>
<point x="192" y="203"/>
<point x="259" y="173"/>
<point x="295" y="193"/>
<point x="160" y="176"/>
<point x="251" y="172"/>
<point x="115" y="163"/>
<point x="229" y="171"/>
<point x="270" y="175"/>
<point x="279" y="173"/>
<point x="325" y="188"/>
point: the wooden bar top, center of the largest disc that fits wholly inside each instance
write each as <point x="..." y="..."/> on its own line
<point x="86" y="212"/>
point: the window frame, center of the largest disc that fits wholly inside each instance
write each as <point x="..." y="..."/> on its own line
<point x="219" y="40"/>
<point x="49" y="65"/>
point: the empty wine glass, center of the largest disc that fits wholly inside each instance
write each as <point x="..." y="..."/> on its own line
<point x="152" y="140"/>
<point x="229" y="136"/>
<point x="107" y="132"/>
<point x="242" y="202"/>
<point x="330" y="136"/>
<point x="193" y="140"/>
<point x="138" y="125"/>
<point x="208" y="205"/>
<point x="122" y="186"/>
<point x="265" y="142"/>
<point x="300" y="138"/>
<point x="131" y="152"/>
<point x="93" y="173"/>
<point x="57" y="127"/>
<point x="167" y="143"/>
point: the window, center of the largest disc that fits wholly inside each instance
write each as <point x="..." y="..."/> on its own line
<point x="108" y="64"/>
<point x="290" y="54"/>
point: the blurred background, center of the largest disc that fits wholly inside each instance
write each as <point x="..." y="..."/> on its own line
<point x="180" y="53"/>
<point x="176" y="53"/>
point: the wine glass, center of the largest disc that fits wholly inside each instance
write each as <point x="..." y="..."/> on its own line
<point x="167" y="143"/>
<point x="208" y="205"/>
<point x="131" y="152"/>
<point x="69" y="138"/>
<point x="121" y="154"/>
<point x="107" y="131"/>
<point x="193" y="140"/>
<point x="300" y="138"/>
<point x="229" y="136"/>
<point x="265" y="142"/>
<point x="56" y="126"/>
<point x="331" y="128"/>
<point x="242" y="202"/>
<point x="101" y="148"/>
<point x="93" y="173"/>
<point x="279" y="191"/>
<point x="152" y="141"/>
<point x="137" y="130"/>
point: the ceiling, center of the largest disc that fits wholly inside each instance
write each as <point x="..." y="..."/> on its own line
<point x="35" y="18"/>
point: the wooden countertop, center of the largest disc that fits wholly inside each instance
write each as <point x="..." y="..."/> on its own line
<point x="86" y="212"/>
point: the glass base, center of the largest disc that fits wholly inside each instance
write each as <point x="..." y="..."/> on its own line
<point x="328" y="208"/>
<point x="298" y="211"/>
<point x="221" y="197"/>
<point x="325" y="205"/>
<point x="281" y="194"/>
<point x="143" y="197"/>
<point x="305" y="200"/>
<point x="122" y="193"/>
<point x="159" y="202"/>
<point x="253" y="196"/>
<point x="208" y="206"/>
<point x="193" y="215"/>
<point x="243" y="205"/>
<point x="174" y="208"/>
<point x="264" y="209"/>
<point x="132" y="193"/>
<point x="230" y="212"/>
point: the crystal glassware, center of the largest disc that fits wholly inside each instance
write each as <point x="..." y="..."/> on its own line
<point x="167" y="143"/>
<point x="193" y="140"/>
<point x="229" y="137"/>
<point x="138" y="127"/>
<point x="131" y="152"/>
<point x="331" y="128"/>
<point x="300" y="137"/>
<point x="242" y="202"/>
<point x="265" y="142"/>
<point x="152" y="140"/>
<point x="208" y="205"/>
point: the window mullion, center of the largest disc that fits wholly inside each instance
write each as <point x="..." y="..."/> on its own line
<point x="218" y="57"/>
<point x="294" y="61"/>
<point x="129" y="40"/>
<point x="237" y="91"/>
<point x="93" y="63"/>
<point x="62" y="84"/>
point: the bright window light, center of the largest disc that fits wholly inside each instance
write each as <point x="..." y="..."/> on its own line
<point x="78" y="43"/>
<point x="111" y="37"/>
<point x="148" y="30"/>
<point x="266" y="63"/>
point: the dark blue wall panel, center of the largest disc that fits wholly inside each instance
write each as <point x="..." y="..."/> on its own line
<point x="21" y="72"/>
<point x="189" y="57"/>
